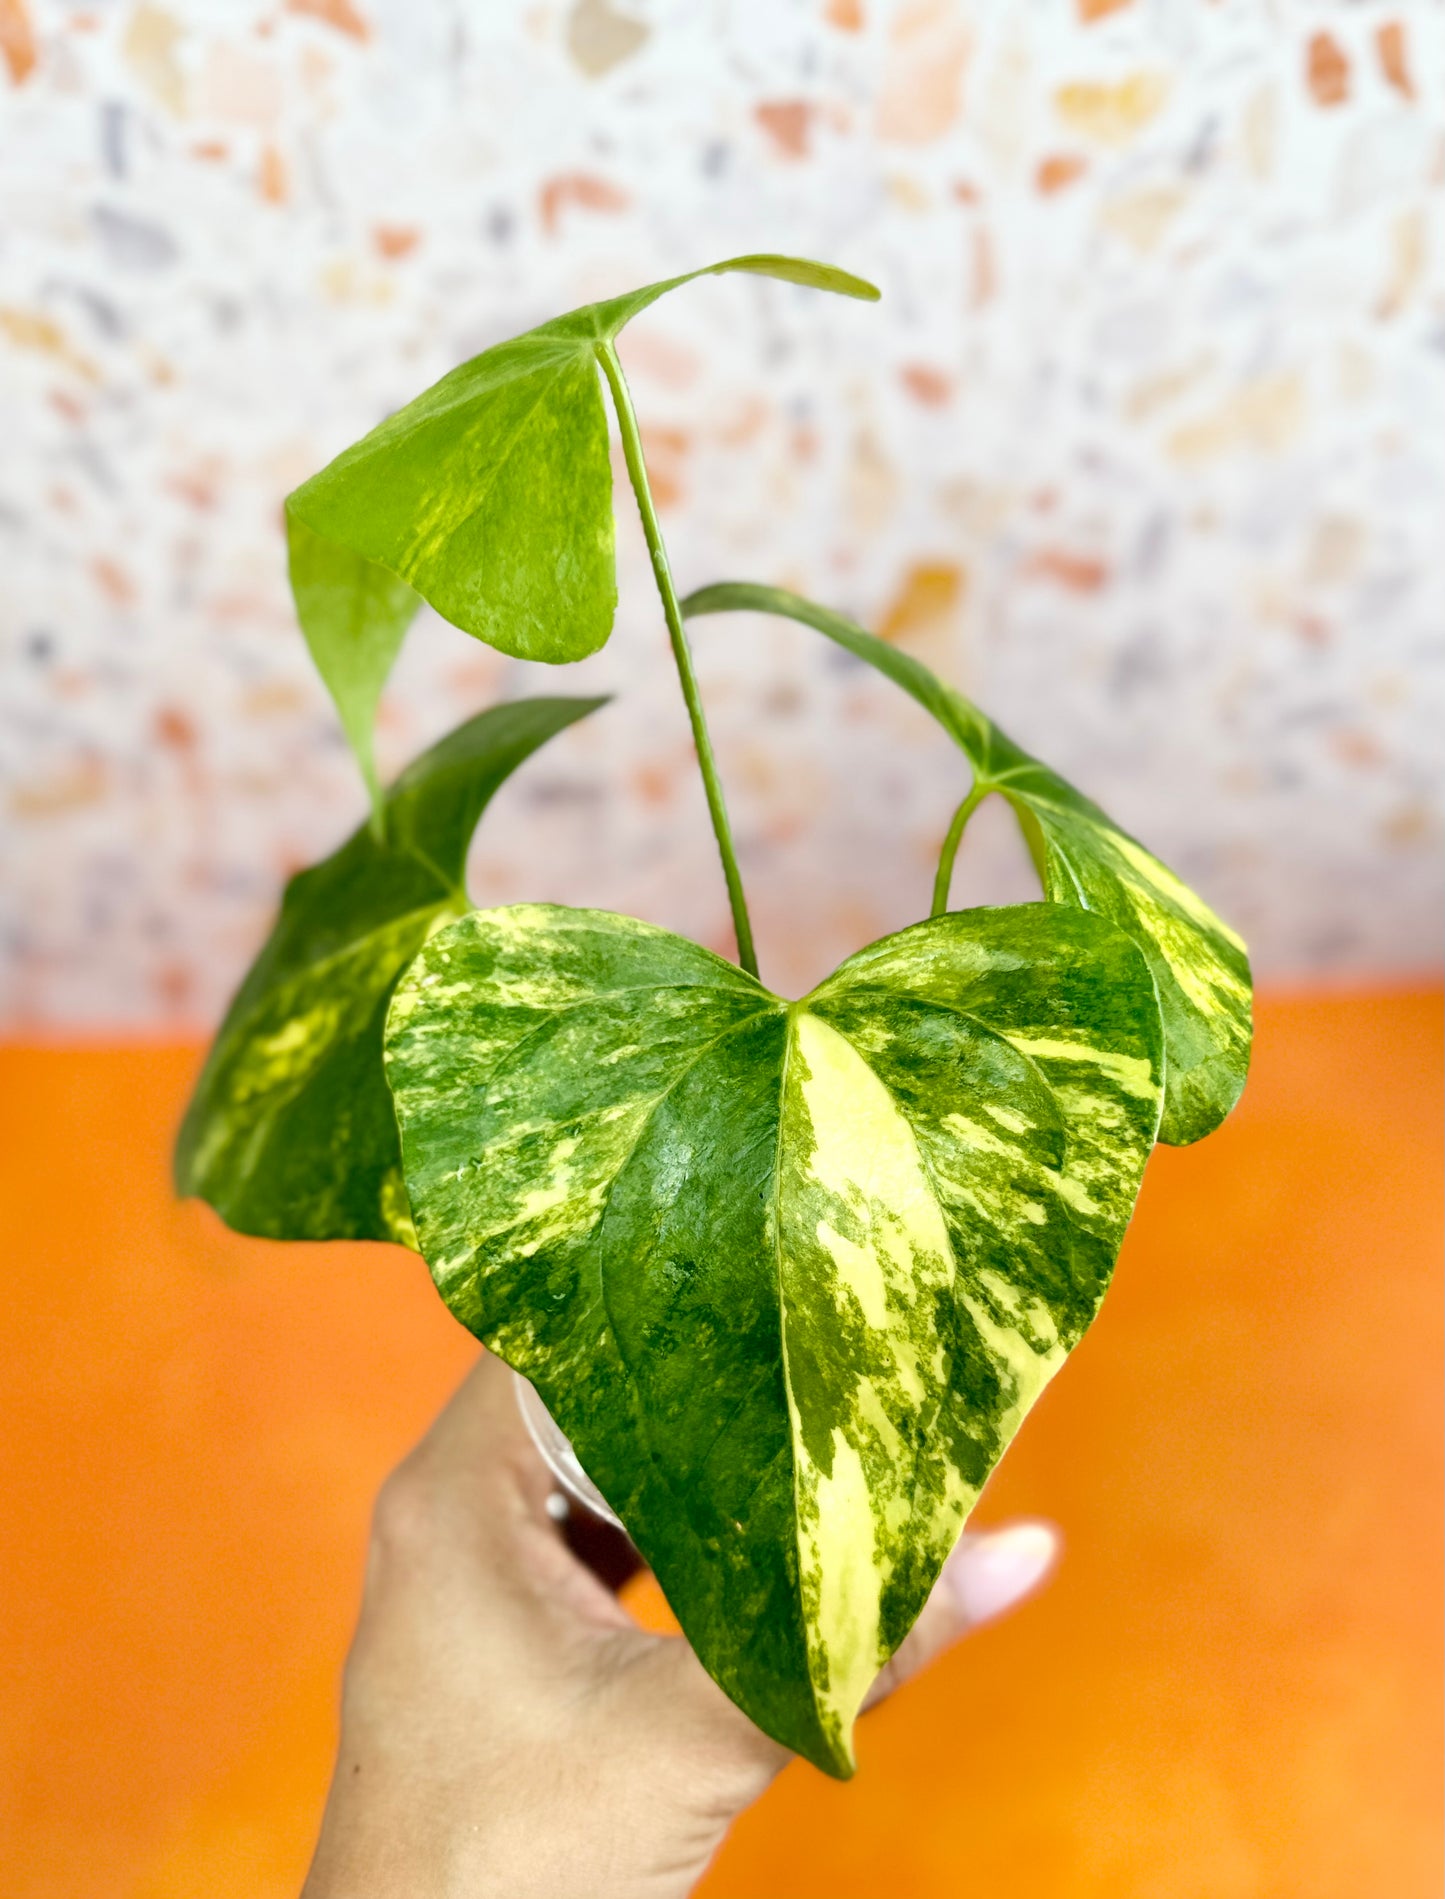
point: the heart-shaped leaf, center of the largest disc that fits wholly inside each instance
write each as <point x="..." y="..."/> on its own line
<point x="290" y="1133"/>
<point x="1200" y="966"/>
<point x="490" y="496"/>
<point x="789" y="1275"/>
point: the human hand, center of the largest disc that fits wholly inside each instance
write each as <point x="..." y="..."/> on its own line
<point x="508" y="1729"/>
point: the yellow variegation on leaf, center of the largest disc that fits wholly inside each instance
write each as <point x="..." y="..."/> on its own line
<point x="1200" y="965"/>
<point x="290" y="1133"/>
<point x="789" y="1275"/>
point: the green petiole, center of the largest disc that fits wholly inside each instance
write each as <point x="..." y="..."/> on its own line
<point x="952" y="839"/>
<point x="681" y="651"/>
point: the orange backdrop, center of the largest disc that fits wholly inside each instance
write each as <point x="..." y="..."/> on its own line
<point x="1230" y="1692"/>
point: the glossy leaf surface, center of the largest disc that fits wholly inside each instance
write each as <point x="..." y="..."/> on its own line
<point x="1200" y="966"/>
<point x="290" y="1133"/>
<point x="490" y="496"/>
<point x="788" y="1275"/>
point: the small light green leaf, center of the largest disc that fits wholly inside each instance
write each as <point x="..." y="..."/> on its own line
<point x="490" y="496"/>
<point x="1200" y="966"/>
<point x="290" y="1133"/>
<point x="788" y="1275"/>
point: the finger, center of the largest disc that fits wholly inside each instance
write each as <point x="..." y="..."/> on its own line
<point x="988" y="1573"/>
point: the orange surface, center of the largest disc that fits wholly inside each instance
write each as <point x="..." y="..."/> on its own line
<point x="1231" y="1691"/>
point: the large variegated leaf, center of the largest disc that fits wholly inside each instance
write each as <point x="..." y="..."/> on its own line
<point x="789" y="1275"/>
<point x="490" y="496"/>
<point x="290" y="1132"/>
<point x="1200" y="966"/>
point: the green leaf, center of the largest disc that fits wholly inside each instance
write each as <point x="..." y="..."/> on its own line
<point x="788" y="1275"/>
<point x="1200" y="966"/>
<point x="355" y="616"/>
<point x="490" y="496"/>
<point x="290" y="1133"/>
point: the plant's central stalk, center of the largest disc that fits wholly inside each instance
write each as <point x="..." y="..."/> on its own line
<point x="681" y="651"/>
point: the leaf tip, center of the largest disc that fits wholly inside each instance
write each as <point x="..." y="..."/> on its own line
<point x="802" y="270"/>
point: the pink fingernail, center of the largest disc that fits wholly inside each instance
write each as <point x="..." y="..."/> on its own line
<point x="992" y="1570"/>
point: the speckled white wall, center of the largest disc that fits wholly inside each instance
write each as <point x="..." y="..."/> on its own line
<point x="1145" y="446"/>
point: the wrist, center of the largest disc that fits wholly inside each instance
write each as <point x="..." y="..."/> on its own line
<point x="544" y="1826"/>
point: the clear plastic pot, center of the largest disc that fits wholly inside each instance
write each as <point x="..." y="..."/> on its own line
<point x="558" y="1455"/>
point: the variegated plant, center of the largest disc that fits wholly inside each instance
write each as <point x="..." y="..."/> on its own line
<point x="789" y="1274"/>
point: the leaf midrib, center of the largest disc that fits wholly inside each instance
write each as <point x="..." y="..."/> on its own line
<point x="652" y="1107"/>
<point x="926" y="1166"/>
<point x="794" y="1011"/>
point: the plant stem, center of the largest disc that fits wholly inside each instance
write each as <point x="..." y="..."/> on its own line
<point x="981" y="789"/>
<point x="681" y="651"/>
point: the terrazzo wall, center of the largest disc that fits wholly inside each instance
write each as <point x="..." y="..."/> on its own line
<point x="1145" y="447"/>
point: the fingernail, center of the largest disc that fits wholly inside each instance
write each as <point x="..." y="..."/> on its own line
<point x="991" y="1570"/>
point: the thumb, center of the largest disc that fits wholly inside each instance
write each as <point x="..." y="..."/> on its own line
<point x="988" y="1573"/>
